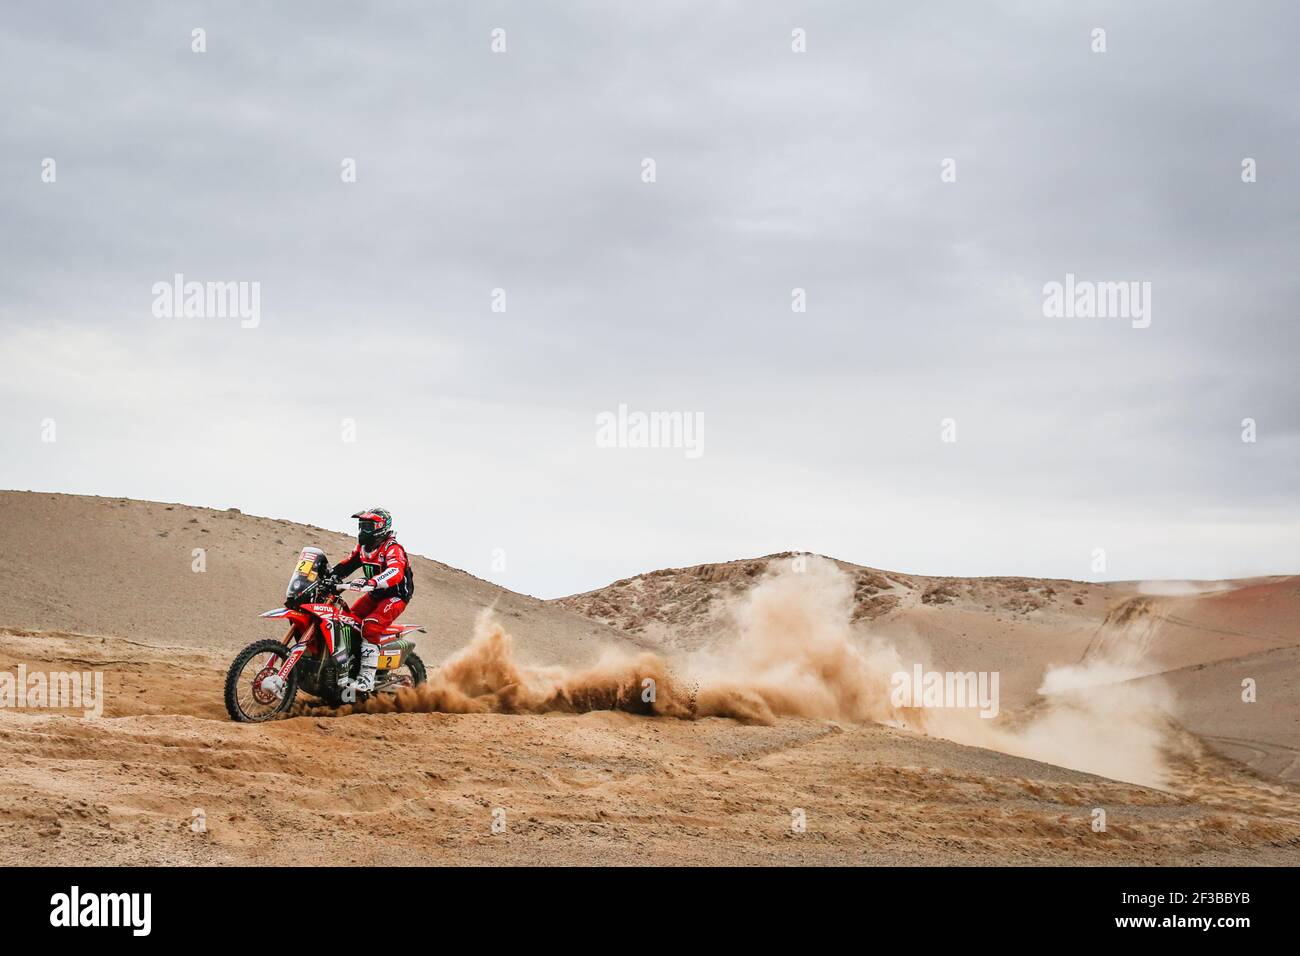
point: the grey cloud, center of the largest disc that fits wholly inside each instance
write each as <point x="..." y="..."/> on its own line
<point x="775" y="170"/>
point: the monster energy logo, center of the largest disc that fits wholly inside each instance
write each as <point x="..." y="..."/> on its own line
<point x="343" y="641"/>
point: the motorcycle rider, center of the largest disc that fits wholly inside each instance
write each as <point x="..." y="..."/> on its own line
<point x="390" y="580"/>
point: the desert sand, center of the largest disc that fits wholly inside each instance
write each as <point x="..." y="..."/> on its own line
<point x="740" y="759"/>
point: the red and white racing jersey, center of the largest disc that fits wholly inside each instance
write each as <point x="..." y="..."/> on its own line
<point x="386" y="568"/>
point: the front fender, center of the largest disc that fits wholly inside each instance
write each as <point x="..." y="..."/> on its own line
<point x="298" y="618"/>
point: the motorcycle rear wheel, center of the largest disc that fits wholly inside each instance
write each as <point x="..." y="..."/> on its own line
<point x="415" y="676"/>
<point x="245" y="701"/>
<point x="418" y="674"/>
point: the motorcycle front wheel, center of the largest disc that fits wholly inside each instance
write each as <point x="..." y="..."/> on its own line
<point x="246" y="700"/>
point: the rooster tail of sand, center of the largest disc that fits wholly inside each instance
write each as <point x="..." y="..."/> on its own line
<point x="796" y="655"/>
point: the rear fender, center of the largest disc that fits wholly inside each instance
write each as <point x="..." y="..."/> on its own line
<point x="397" y="634"/>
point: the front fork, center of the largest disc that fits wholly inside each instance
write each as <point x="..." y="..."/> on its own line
<point x="291" y="660"/>
<point x="299" y="647"/>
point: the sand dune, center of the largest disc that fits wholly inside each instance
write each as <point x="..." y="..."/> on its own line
<point x="117" y="566"/>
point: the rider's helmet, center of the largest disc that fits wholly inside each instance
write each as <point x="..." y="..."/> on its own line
<point x="373" y="526"/>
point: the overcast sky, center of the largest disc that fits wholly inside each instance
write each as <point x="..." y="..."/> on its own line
<point x="774" y="170"/>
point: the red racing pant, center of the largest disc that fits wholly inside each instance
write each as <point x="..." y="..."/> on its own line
<point x="375" y="615"/>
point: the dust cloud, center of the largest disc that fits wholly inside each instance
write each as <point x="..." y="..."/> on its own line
<point x="796" y="655"/>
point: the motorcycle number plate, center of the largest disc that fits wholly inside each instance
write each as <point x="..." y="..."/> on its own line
<point x="388" y="661"/>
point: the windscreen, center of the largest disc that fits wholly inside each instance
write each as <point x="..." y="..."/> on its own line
<point x="311" y="565"/>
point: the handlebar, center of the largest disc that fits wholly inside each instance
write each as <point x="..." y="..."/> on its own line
<point x="337" y="586"/>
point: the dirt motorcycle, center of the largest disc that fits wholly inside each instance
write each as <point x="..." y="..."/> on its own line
<point x="321" y="644"/>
